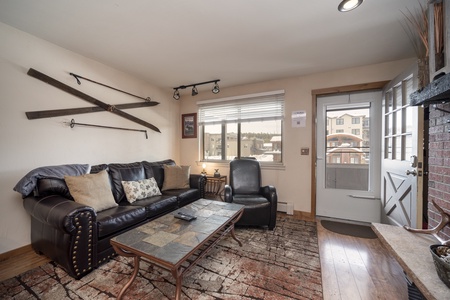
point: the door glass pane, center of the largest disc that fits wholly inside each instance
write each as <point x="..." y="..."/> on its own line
<point x="398" y="122"/>
<point x="408" y="119"/>
<point x="398" y="99"/>
<point x="398" y="147"/>
<point x="388" y="125"/>
<point x="348" y="149"/>
<point x="388" y="148"/>
<point x="408" y="146"/>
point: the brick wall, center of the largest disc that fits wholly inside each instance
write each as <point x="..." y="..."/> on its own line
<point x="439" y="166"/>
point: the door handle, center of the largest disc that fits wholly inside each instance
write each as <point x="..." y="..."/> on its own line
<point x="413" y="172"/>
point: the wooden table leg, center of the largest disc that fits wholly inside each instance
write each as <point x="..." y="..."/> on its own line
<point x="179" y="282"/>
<point x="133" y="277"/>
<point x="233" y="235"/>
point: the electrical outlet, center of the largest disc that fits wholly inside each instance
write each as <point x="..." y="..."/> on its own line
<point x="304" y="151"/>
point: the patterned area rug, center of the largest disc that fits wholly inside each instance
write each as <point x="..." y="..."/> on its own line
<point x="283" y="264"/>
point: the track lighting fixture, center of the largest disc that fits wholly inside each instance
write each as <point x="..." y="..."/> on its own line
<point x="215" y="89"/>
<point x="194" y="91"/>
<point x="176" y="94"/>
<point x="348" y="5"/>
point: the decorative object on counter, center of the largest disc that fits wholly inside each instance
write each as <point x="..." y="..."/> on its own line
<point x="216" y="173"/>
<point x="215" y="89"/>
<point x="204" y="169"/>
<point x="77" y="77"/>
<point x="416" y="27"/>
<point x="73" y="123"/>
<point x="441" y="259"/>
<point x="111" y="108"/>
<point x="445" y="219"/>
<point x="189" y="125"/>
<point x="438" y="18"/>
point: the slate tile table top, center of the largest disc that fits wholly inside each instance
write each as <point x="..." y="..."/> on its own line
<point x="175" y="244"/>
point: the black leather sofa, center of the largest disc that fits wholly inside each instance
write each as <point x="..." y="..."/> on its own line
<point x="77" y="237"/>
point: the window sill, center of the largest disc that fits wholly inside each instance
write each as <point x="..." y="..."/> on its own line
<point x="264" y="165"/>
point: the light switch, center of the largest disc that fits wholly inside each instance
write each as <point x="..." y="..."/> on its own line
<point x="304" y="151"/>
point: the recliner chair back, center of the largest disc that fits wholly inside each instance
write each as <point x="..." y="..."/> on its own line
<point x="245" y="176"/>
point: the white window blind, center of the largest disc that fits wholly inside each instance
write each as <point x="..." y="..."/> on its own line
<point x="259" y="107"/>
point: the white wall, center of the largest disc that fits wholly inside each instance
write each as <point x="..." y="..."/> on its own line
<point x="27" y="144"/>
<point x="293" y="183"/>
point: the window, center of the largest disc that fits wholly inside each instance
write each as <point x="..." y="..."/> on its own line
<point x="340" y="121"/>
<point x="339" y="130"/>
<point x="355" y="120"/>
<point x="356" y="131"/>
<point x="245" y="126"/>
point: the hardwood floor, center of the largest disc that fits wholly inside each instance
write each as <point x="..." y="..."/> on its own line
<point x="358" y="268"/>
<point x="352" y="268"/>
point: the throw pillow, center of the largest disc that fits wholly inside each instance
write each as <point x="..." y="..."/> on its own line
<point x="176" y="177"/>
<point x="93" y="190"/>
<point x="136" y="190"/>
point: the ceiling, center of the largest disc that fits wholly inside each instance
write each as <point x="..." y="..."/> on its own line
<point x="172" y="42"/>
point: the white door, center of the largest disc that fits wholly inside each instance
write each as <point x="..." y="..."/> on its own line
<point x="348" y="156"/>
<point x="402" y="155"/>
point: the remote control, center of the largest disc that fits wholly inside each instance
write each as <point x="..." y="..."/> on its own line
<point x="185" y="217"/>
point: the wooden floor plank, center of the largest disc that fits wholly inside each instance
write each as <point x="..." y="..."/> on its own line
<point x="374" y="273"/>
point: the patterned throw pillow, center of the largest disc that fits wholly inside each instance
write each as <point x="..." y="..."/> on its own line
<point x="141" y="189"/>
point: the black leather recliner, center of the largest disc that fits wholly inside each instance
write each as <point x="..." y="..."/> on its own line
<point x="245" y="188"/>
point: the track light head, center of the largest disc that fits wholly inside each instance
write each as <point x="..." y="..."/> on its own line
<point x="215" y="89"/>
<point x="176" y="94"/>
<point x="194" y="91"/>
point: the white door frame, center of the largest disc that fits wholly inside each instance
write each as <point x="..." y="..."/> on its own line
<point x="326" y="91"/>
<point x="350" y="203"/>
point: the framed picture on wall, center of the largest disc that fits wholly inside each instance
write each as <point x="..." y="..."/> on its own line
<point x="189" y="125"/>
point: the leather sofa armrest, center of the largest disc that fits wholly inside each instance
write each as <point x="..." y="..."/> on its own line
<point x="197" y="181"/>
<point x="228" y="194"/>
<point x="270" y="193"/>
<point x="58" y="212"/>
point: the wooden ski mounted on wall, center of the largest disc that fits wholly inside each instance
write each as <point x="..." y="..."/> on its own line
<point x="115" y="109"/>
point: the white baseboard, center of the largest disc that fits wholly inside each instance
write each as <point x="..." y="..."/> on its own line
<point x="286" y="207"/>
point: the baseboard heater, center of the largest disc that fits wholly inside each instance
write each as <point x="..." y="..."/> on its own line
<point x="285" y="207"/>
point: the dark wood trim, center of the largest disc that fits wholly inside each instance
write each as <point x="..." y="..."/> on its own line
<point x="328" y="91"/>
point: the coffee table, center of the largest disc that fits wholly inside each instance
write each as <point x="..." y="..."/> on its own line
<point x="177" y="245"/>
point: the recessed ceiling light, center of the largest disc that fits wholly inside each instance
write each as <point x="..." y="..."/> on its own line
<point x="348" y="5"/>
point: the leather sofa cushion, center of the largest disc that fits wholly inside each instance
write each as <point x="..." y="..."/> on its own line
<point x="52" y="186"/>
<point x="251" y="200"/>
<point x="185" y="196"/>
<point x="157" y="205"/>
<point x="97" y="168"/>
<point x="124" y="172"/>
<point x="115" y="219"/>
<point x="156" y="170"/>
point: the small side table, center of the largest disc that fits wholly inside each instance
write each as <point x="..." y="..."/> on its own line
<point x="215" y="186"/>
